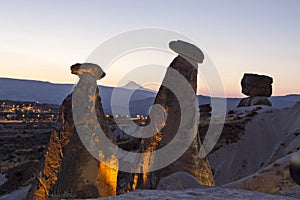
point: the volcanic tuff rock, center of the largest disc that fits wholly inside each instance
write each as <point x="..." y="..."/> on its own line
<point x="188" y="162"/>
<point x="258" y="88"/>
<point x="254" y="101"/>
<point x="68" y="168"/>
<point x="272" y="179"/>
<point x="178" y="181"/>
<point x="257" y="85"/>
<point x="167" y="125"/>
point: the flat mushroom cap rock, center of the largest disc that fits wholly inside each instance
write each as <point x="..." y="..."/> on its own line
<point x="186" y="49"/>
<point x="93" y="69"/>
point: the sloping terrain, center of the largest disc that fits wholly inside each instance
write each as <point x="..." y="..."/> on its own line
<point x="209" y="193"/>
<point x="261" y="144"/>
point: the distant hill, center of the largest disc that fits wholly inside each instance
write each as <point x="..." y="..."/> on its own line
<point x="30" y="90"/>
<point x="140" y="101"/>
<point x="52" y="93"/>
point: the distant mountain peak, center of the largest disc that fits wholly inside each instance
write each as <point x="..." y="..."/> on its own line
<point x="132" y="85"/>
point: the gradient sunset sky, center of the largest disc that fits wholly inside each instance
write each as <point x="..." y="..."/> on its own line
<point x="39" y="40"/>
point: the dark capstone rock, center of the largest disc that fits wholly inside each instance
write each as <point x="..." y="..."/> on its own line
<point x="257" y="85"/>
<point x="254" y="101"/>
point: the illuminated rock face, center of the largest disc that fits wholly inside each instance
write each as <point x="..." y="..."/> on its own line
<point x="68" y="169"/>
<point x="186" y="65"/>
<point x="189" y="162"/>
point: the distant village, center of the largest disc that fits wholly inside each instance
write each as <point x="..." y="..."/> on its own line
<point x="27" y="111"/>
<point x="16" y="111"/>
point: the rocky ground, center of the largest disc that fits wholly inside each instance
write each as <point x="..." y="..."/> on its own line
<point x="210" y="193"/>
<point x="251" y="156"/>
<point x="22" y="145"/>
<point x="205" y="193"/>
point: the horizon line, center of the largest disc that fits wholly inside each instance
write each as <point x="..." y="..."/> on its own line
<point x="68" y="83"/>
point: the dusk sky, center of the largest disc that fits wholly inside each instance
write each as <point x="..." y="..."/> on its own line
<point x="39" y="40"/>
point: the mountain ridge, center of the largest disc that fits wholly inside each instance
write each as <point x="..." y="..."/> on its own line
<point x="140" y="101"/>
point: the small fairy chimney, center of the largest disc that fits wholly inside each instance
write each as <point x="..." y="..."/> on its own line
<point x="258" y="88"/>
